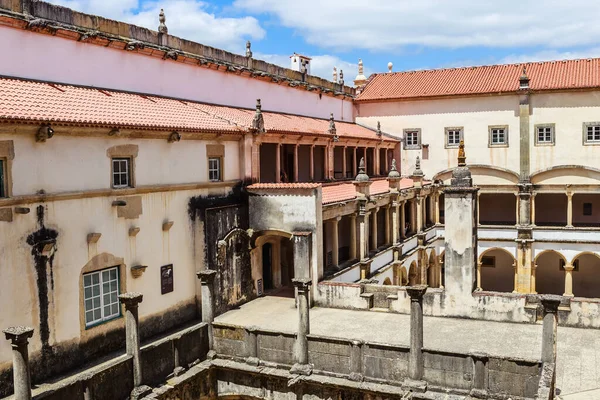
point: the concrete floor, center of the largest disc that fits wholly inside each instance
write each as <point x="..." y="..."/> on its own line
<point x="578" y="363"/>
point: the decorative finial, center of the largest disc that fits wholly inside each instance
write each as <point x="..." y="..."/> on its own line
<point x="418" y="163"/>
<point x="248" y="49"/>
<point x="361" y="166"/>
<point x="341" y="77"/>
<point x="524" y="79"/>
<point x="362" y="175"/>
<point x="360" y="67"/>
<point x="390" y="66"/>
<point x="332" y="129"/>
<point x="462" y="158"/>
<point x="379" y="133"/>
<point x="394" y="174"/>
<point x="258" y="122"/>
<point x="335" y="74"/>
<point x="162" y="28"/>
<point x="417" y="172"/>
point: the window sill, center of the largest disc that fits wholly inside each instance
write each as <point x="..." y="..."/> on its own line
<point x="413" y="148"/>
<point x="546" y="144"/>
<point x="497" y="145"/>
<point x="591" y="143"/>
<point x="451" y="146"/>
<point x="95" y="324"/>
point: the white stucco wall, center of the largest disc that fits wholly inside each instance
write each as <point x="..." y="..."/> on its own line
<point x="77" y="163"/>
<point x="69" y="61"/>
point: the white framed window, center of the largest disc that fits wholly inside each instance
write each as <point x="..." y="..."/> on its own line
<point x="453" y="137"/>
<point x="214" y="169"/>
<point x="591" y="133"/>
<point x="412" y="139"/>
<point x="101" y="296"/>
<point x="121" y="172"/>
<point x="498" y="135"/>
<point x="544" y="134"/>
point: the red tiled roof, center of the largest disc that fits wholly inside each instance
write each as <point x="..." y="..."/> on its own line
<point x="23" y="100"/>
<point x="347" y="191"/>
<point x="550" y="75"/>
<point x="259" y="186"/>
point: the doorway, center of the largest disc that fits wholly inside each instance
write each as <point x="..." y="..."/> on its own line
<point x="267" y="260"/>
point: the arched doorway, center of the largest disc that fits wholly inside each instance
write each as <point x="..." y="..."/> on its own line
<point x="275" y="263"/>
<point x="413" y="277"/>
<point x="586" y="275"/>
<point x="433" y="273"/>
<point x="550" y="272"/>
<point x="267" y="266"/>
<point x="497" y="268"/>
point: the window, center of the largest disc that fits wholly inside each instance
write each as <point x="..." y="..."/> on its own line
<point x="101" y="296"/>
<point x="453" y="137"/>
<point x="587" y="208"/>
<point x="488" y="261"/>
<point x="544" y="134"/>
<point x="121" y="172"/>
<point x="214" y="169"/>
<point x="2" y="178"/>
<point x="591" y="132"/>
<point x="412" y="139"/>
<point x="498" y="135"/>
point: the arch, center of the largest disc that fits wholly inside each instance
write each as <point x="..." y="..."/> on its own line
<point x="387" y="281"/>
<point x="256" y="235"/>
<point x="433" y="271"/>
<point x="566" y="174"/>
<point x="497" y="273"/>
<point x="413" y="274"/>
<point x="402" y="277"/>
<point x="484" y="174"/>
<point x="549" y="272"/>
<point x="586" y="275"/>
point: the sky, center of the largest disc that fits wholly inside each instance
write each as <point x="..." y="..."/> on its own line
<point x="412" y="34"/>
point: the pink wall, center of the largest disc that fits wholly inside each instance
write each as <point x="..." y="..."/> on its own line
<point x="45" y="57"/>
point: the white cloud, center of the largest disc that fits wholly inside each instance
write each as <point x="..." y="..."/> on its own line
<point x="548" y="55"/>
<point x="321" y="65"/>
<point x="189" y="19"/>
<point x="390" y="25"/>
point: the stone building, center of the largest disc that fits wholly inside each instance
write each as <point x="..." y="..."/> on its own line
<point x="203" y="180"/>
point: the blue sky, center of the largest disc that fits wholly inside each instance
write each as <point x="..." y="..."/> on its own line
<point x="412" y="34"/>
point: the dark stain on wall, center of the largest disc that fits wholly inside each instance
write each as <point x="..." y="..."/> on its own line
<point x="39" y="240"/>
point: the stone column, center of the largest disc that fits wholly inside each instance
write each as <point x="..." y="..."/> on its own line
<point x="352" y="236"/>
<point x="516" y="274"/>
<point x="354" y="163"/>
<point x="569" y="210"/>
<point x="19" y="339"/>
<point x="302" y="367"/>
<point x="335" y="251"/>
<point x="524" y="204"/>
<point x="568" y="280"/>
<point x="330" y="162"/>
<point x="437" y="208"/>
<point x="312" y="163"/>
<point x="550" y="303"/>
<point x="533" y="208"/>
<point x="366" y="161"/>
<point x="278" y="163"/>
<point x="419" y="213"/>
<point x="362" y="236"/>
<point x="479" y="388"/>
<point x="256" y="162"/>
<point x="376" y="161"/>
<point x="296" y="174"/>
<point x="402" y="221"/>
<point x="395" y="207"/>
<point x="533" y="289"/>
<point x="517" y="208"/>
<point x="252" y="346"/>
<point x="207" y="280"/>
<point x="441" y="266"/>
<point x="131" y="302"/>
<point x="478" y="208"/>
<point x="344" y="163"/>
<point x="387" y="225"/>
<point x="415" y="360"/>
<point x="478" y="276"/>
<point x="356" y="361"/>
<point x="373" y="229"/>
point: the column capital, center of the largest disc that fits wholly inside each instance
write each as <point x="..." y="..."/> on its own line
<point x="18" y="335"/>
<point x="131" y="299"/>
<point x="206" y="276"/>
<point x="416" y="292"/>
<point x="569" y="267"/>
<point x="302" y="283"/>
<point x="550" y="302"/>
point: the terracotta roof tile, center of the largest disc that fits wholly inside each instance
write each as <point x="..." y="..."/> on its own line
<point x="550" y="75"/>
<point x="283" y="186"/>
<point x="346" y="191"/>
<point x="25" y="100"/>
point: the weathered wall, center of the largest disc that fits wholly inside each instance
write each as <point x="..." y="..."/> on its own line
<point x="80" y="63"/>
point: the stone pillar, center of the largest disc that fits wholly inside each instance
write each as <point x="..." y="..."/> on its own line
<point x="524" y="147"/>
<point x="533" y="289"/>
<point x="278" y="163"/>
<point x="302" y="367"/>
<point x="516" y="275"/>
<point x="335" y="251"/>
<point x="312" y="163"/>
<point x="387" y="224"/>
<point x="131" y="302"/>
<point x="302" y="260"/>
<point x="533" y="208"/>
<point x="344" y="163"/>
<point x="376" y="161"/>
<point x="207" y="280"/>
<point x="517" y="213"/>
<point x="460" y="199"/>
<point x="402" y="221"/>
<point x="251" y="344"/>
<point x="375" y="213"/>
<point x="524" y="204"/>
<point x="255" y="162"/>
<point x="419" y="213"/>
<point x="296" y="174"/>
<point x="354" y="164"/>
<point x="441" y="266"/>
<point x="362" y="235"/>
<point x="19" y="339"/>
<point x="479" y="276"/>
<point x="353" y="236"/>
<point x="437" y="209"/>
<point x="478" y="208"/>
<point x="415" y="360"/>
<point x="330" y="162"/>
<point x="568" y="280"/>
<point x="356" y="361"/>
<point x="569" y="210"/>
<point x="366" y="160"/>
<point x="395" y="207"/>
<point x="550" y="303"/>
<point x="479" y="388"/>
